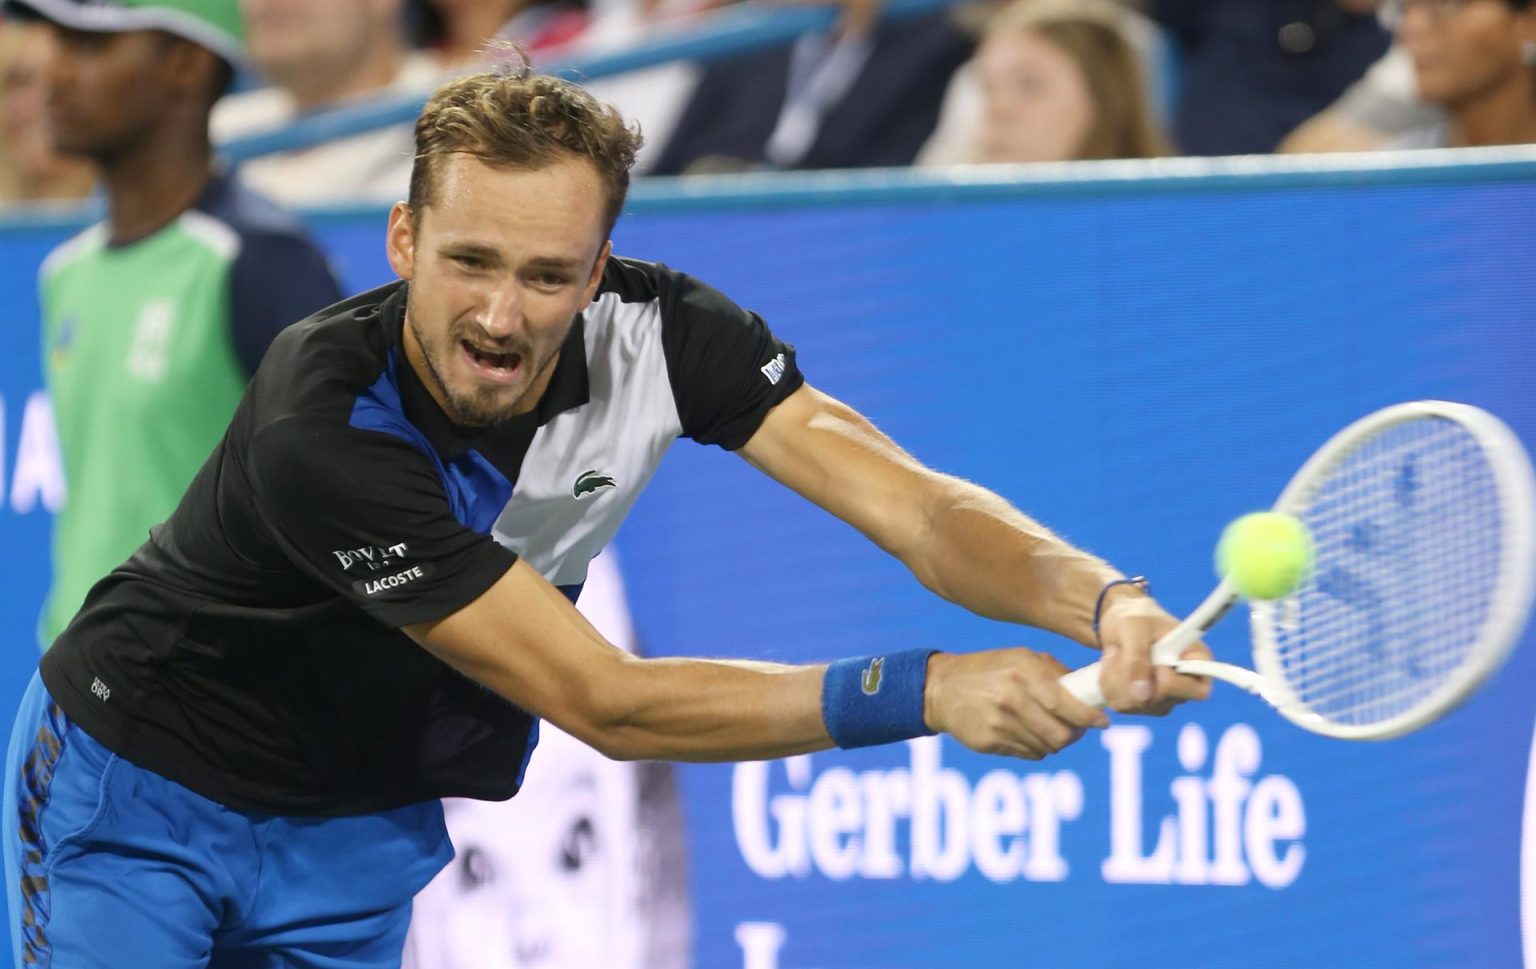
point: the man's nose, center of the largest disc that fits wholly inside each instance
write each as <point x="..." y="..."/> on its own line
<point x="503" y="314"/>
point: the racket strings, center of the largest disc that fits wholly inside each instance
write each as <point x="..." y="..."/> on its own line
<point x="1408" y="530"/>
<point x="1393" y="668"/>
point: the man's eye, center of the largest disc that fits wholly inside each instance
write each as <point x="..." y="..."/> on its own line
<point x="470" y="262"/>
<point x="552" y="280"/>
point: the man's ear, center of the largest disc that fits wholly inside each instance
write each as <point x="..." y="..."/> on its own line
<point x="400" y="241"/>
<point x="192" y="68"/>
<point x="597" y="269"/>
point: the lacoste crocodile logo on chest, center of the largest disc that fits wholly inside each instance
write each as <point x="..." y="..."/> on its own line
<point x="590" y="482"/>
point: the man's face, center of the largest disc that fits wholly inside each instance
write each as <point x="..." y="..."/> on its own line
<point x="1461" y="51"/>
<point x="106" y="90"/>
<point x="292" y="40"/>
<point x="500" y="262"/>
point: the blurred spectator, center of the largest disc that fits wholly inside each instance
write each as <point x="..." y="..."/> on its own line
<point x="319" y="56"/>
<point x="30" y="170"/>
<point x="1383" y="104"/>
<point x="654" y="97"/>
<point x="1476" y="60"/>
<point x="154" y="320"/>
<point x="456" y="32"/>
<point x="1053" y="80"/>
<point x="466" y="34"/>
<point x="860" y="96"/>
<point x="1252" y="70"/>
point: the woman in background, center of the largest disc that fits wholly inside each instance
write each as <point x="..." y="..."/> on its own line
<point x="1052" y="81"/>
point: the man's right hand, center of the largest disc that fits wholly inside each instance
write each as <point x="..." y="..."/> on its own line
<point x="1006" y="701"/>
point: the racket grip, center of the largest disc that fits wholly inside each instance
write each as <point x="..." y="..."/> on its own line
<point x="1083" y="683"/>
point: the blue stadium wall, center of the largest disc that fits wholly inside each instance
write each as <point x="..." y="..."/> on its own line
<point x="1134" y="361"/>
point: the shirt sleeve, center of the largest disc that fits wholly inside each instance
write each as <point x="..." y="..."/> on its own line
<point x="727" y="369"/>
<point x="1385" y="99"/>
<point x="277" y="279"/>
<point x="366" y="514"/>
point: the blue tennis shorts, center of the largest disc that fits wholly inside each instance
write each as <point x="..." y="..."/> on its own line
<point x="110" y="866"/>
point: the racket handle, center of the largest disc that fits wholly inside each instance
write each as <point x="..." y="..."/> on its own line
<point x="1083" y="683"/>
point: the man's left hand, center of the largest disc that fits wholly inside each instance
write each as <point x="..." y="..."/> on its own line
<point x="1129" y="626"/>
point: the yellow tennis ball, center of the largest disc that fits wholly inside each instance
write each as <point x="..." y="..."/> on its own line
<point x="1266" y="555"/>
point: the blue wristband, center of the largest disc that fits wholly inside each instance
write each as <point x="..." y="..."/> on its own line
<point x="876" y="699"/>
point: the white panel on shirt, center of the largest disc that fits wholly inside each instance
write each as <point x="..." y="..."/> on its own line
<point x="621" y="432"/>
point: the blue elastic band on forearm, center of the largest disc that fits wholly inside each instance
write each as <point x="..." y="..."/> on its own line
<point x="876" y="699"/>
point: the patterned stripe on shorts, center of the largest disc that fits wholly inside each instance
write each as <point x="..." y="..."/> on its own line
<point x="36" y="781"/>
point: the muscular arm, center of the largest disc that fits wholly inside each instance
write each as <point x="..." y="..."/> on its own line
<point x="524" y="640"/>
<point x="962" y="541"/>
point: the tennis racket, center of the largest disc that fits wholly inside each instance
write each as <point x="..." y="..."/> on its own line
<point x="1423" y="516"/>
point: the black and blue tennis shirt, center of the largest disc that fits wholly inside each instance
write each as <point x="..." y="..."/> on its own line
<point x="251" y="649"/>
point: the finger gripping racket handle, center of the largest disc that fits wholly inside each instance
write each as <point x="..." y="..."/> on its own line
<point x="1084" y="683"/>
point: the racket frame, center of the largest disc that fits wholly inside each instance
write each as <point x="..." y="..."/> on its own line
<point x="1509" y="608"/>
<point x="1509" y="604"/>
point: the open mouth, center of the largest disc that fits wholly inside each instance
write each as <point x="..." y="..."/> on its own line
<point x="498" y="365"/>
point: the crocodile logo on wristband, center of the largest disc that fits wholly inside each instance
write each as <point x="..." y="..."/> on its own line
<point x="869" y="682"/>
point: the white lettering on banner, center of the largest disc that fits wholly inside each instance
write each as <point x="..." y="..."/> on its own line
<point x="1232" y="843"/>
<point x="760" y="944"/>
<point x="39" y="475"/>
<point x="843" y="824"/>
<point x="1229" y="825"/>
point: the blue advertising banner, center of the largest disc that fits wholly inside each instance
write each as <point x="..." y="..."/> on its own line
<point x="1134" y="364"/>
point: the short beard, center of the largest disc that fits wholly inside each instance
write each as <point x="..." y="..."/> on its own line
<point x="474" y="410"/>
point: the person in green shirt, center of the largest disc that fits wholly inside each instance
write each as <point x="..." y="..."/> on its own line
<point x="155" y="319"/>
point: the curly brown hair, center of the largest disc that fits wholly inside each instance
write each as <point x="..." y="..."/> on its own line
<point x="513" y="118"/>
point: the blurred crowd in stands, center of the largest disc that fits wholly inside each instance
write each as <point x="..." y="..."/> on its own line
<point x="983" y="81"/>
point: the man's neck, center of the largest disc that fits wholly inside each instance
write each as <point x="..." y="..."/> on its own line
<point x="1504" y="115"/>
<point x="148" y="187"/>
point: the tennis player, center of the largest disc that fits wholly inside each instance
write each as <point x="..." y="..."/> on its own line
<point x="234" y="754"/>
